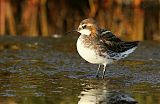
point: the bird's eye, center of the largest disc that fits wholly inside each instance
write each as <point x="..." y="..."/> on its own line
<point x="84" y="26"/>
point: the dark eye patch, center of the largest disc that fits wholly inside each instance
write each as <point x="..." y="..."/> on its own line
<point x="84" y="26"/>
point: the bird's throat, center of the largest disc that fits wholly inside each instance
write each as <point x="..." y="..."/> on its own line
<point x="85" y="32"/>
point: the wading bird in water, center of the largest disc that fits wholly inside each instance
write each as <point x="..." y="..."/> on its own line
<point x="100" y="46"/>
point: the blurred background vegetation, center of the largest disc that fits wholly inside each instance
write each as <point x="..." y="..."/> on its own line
<point x="129" y="19"/>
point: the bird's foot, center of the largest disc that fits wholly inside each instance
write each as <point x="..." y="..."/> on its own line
<point x="103" y="77"/>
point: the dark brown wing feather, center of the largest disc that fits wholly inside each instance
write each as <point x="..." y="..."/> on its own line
<point x="108" y="36"/>
<point x="115" y="44"/>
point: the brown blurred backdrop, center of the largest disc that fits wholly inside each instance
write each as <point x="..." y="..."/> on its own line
<point x="128" y="19"/>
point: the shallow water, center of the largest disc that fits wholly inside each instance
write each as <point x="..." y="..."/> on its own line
<point x="50" y="71"/>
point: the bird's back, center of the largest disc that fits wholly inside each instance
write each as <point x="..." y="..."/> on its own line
<point x="114" y="46"/>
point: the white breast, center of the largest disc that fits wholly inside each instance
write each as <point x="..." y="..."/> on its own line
<point x="90" y="55"/>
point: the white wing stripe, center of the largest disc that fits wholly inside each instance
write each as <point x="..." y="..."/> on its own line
<point x="105" y="32"/>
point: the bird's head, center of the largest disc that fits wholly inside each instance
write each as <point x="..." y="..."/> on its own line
<point x="87" y="27"/>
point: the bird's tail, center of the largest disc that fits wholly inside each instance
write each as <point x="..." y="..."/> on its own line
<point x="133" y="46"/>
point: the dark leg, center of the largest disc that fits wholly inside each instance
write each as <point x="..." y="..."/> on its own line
<point x="99" y="66"/>
<point x="104" y="71"/>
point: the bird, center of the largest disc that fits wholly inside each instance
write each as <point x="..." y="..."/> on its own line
<point x="100" y="46"/>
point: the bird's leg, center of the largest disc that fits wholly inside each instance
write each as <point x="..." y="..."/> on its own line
<point x="99" y="66"/>
<point x="104" y="71"/>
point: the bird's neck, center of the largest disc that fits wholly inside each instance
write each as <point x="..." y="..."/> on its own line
<point x="89" y="41"/>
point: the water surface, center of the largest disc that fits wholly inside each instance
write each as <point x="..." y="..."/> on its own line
<point x="50" y="71"/>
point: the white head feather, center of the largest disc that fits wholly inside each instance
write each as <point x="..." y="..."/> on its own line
<point x="85" y="32"/>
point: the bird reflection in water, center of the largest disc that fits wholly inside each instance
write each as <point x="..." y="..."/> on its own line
<point x="105" y="96"/>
